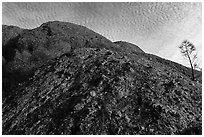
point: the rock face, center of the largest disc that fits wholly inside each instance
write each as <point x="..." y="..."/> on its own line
<point x="25" y="50"/>
<point x="97" y="88"/>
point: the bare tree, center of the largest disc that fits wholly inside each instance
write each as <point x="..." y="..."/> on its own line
<point x="189" y="51"/>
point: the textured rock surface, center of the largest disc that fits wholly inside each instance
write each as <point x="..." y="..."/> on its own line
<point x="102" y="90"/>
<point x="96" y="91"/>
<point x="25" y="50"/>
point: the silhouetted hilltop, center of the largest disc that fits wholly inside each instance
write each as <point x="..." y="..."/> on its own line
<point x="128" y="47"/>
<point x="75" y="81"/>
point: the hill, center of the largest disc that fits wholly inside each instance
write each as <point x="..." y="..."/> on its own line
<point x="89" y="85"/>
<point x="128" y="47"/>
<point x="25" y="50"/>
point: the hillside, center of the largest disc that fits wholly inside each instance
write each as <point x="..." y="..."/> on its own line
<point x="130" y="48"/>
<point x="25" y="50"/>
<point x="76" y="81"/>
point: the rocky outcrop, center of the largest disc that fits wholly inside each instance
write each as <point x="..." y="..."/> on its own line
<point x="25" y="50"/>
<point x="95" y="87"/>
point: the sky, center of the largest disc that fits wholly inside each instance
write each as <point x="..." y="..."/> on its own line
<point x="157" y="28"/>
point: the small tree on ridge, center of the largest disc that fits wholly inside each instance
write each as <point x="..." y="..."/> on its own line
<point x="188" y="50"/>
